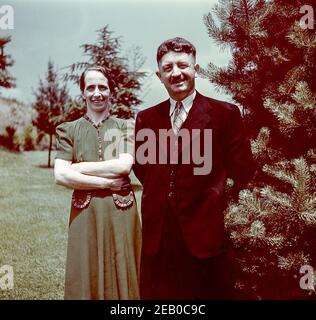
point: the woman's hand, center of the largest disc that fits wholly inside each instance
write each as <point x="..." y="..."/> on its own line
<point x="118" y="184"/>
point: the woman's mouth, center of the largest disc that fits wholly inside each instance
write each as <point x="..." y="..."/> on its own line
<point x="97" y="101"/>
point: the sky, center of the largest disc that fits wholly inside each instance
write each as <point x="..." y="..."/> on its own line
<point x="55" y="30"/>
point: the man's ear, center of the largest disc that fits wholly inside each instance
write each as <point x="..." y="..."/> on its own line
<point x="158" y="75"/>
<point x="197" y="68"/>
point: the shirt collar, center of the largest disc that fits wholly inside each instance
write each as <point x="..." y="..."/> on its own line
<point x="187" y="103"/>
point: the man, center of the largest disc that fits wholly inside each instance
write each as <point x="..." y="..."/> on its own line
<point x="184" y="254"/>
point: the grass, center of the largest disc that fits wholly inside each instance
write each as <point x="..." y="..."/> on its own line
<point x="34" y="215"/>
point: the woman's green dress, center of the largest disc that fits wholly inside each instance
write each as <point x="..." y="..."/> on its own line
<point x="104" y="242"/>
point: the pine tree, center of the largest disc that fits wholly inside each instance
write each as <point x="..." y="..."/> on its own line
<point x="272" y="75"/>
<point x="51" y="98"/>
<point x="124" y="76"/>
<point x="6" y="80"/>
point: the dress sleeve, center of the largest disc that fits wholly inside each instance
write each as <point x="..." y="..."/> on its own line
<point x="64" y="142"/>
<point x="126" y="144"/>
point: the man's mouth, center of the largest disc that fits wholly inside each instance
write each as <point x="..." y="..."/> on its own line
<point x="177" y="81"/>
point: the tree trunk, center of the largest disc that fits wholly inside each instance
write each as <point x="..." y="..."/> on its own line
<point x="50" y="148"/>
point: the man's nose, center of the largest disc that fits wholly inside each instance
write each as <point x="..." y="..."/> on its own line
<point x="176" y="71"/>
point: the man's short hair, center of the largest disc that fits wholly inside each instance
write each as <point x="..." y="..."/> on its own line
<point x="177" y="45"/>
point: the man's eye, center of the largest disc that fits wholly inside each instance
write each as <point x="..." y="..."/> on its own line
<point x="167" y="69"/>
<point x="183" y="66"/>
<point x="103" y="88"/>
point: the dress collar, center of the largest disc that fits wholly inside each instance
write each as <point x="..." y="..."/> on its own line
<point x="97" y="126"/>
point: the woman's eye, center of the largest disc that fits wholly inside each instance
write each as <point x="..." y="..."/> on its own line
<point x="103" y="88"/>
<point x="90" y="88"/>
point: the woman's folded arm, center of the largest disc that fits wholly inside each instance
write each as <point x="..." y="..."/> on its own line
<point x="113" y="168"/>
<point x="66" y="176"/>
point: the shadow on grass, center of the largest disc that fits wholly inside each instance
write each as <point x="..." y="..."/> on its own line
<point x="14" y="151"/>
<point x="44" y="166"/>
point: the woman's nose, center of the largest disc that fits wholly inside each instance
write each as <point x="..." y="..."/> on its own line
<point x="96" y="92"/>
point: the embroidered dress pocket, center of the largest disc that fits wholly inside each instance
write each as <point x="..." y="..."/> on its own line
<point x="124" y="199"/>
<point x="81" y="199"/>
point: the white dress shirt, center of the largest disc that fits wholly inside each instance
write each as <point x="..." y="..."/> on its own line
<point x="187" y="104"/>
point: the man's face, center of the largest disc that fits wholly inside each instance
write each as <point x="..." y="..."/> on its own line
<point x="96" y="91"/>
<point x="177" y="71"/>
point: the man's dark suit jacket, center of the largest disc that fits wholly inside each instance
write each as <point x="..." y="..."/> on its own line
<point x="200" y="199"/>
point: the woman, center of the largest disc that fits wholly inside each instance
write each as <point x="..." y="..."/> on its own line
<point x="104" y="239"/>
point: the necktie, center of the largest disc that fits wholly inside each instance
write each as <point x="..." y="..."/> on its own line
<point x="179" y="117"/>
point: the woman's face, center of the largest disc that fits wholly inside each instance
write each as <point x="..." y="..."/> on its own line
<point x="96" y="91"/>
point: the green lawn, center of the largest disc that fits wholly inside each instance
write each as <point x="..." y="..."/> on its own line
<point x="34" y="216"/>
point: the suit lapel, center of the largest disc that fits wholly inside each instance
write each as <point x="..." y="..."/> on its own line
<point x="160" y="118"/>
<point x="197" y="118"/>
